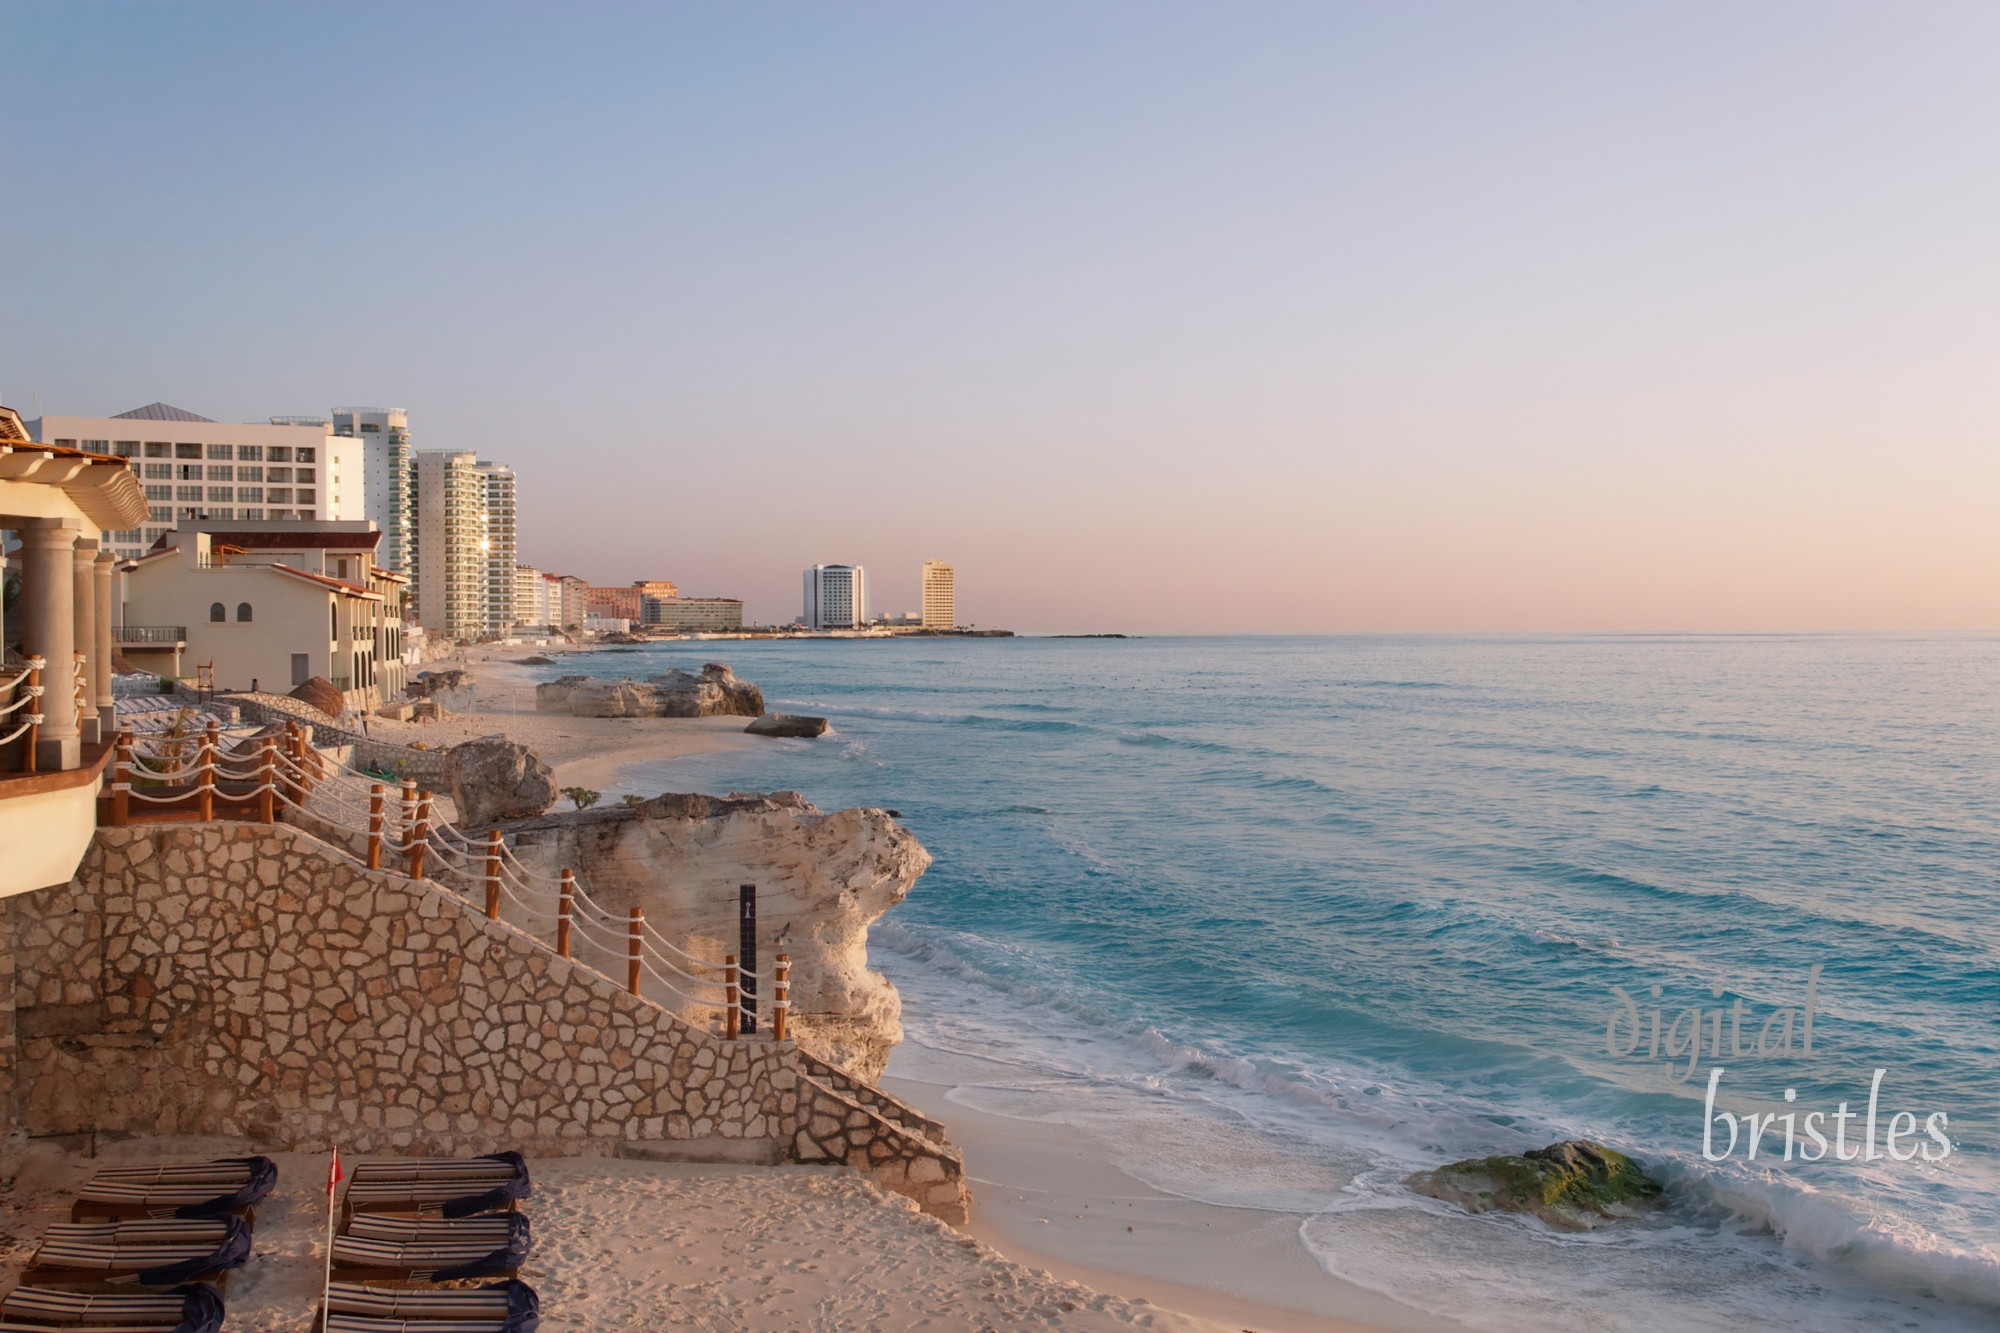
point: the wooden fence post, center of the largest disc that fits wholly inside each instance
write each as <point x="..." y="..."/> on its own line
<point x="493" y="874"/>
<point x="409" y="807"/>
<point x="634" y="941"/>
<point x="267" y="782"/>
<point x="729" y="1011"/>
<point x="121" y="781"/>
<point x="781" y="996"/>
<point x="374" y="826"/>
<point x="565" y="905"/>
<point x="420" y="837"/>
<point x="204" y="758"/>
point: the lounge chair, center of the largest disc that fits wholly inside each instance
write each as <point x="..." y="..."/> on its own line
<point x="438" y="1186"/>
<point x="157" y="1252"/>
<point x="193" y="1189"/>
<point x="503" y="1307"/>
<point x="191" y="1309"/>
<point x="432" y="1250"/>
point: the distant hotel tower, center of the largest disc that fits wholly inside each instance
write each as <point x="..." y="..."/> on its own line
<point x="836" y="597"/>
<point x="939" y="612"/>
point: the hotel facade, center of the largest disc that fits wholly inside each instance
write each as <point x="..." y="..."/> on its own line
<point x="194" y="469"/>
<point x="836" y="597"/>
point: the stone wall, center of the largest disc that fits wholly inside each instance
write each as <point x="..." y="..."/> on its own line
<point x="249" y="980"/>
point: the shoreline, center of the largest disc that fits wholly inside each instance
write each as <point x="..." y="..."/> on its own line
<point x="1181" y="1249"/>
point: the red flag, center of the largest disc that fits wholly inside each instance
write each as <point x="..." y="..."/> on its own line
<point x="333" y="1171"/>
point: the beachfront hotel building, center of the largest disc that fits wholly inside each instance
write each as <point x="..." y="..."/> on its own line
<point x="194" y="469"/>
<point x="269" y="605"/>
<point x="693" y="614"/>
<point x="387" y="476"/>
<point x="498" y="483"/>
<point x="939" y="608"/>
<point x="836" y="597"/>
<point x="603" y="602"/>
<point x="450" y="550"/>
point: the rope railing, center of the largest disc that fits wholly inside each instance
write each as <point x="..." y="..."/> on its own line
<point x="401" y="829"/>
<point x="30" y="725"/>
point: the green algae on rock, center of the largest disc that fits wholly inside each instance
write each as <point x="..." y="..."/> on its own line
<point x="1571" y="1186"/>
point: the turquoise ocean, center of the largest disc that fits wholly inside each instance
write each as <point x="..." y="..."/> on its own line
<point x="1295" y="917"/>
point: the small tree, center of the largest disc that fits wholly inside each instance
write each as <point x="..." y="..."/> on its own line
<point x="631" y="799"/>
<point x="584" y="797"/>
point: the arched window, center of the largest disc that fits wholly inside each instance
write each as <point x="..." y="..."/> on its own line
<point x="217" y="613"/>
<point x="242" y="611"/>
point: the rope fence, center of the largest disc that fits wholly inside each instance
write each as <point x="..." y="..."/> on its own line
<point x="177" y="775"/>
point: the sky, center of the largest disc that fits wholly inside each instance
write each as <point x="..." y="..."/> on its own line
<point x="1149" y="318"/>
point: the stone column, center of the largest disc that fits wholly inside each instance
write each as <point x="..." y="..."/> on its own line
<point x="101" y="655"/>
<point x="83" y="615"/>
<point x="48" y="631"/>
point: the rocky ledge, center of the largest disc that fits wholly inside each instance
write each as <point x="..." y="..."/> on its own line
<point x="822" y="879"/>
<point x="1572" y="1186"/>
<point x="715" y="692"/>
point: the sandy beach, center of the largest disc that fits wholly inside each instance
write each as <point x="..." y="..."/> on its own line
<point x="648" y="1245"/>
<point x="586" y="751"/>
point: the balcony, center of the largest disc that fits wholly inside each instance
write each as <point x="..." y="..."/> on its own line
<point x="163" y="636"/>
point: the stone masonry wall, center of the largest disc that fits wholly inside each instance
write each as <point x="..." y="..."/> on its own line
<point x="248" y="980"/>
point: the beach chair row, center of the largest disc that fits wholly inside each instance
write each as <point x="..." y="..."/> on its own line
<point x="419" y="1222"/>
<point x="183" y="1226"/>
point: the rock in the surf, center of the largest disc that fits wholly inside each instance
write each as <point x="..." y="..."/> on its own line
<point x="1572" y="1186"/>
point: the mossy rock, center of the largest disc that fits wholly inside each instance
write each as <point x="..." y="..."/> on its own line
<point x="1571" y="1186"/>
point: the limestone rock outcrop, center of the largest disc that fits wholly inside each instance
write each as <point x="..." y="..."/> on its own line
<point x="323" y="695"/>
<point x="493" y="778"/>
<point x="1572" y="1186"/>
<point x="717" y="691"/>
<point x="822" y="879"/>
<point x="787" y="724"/>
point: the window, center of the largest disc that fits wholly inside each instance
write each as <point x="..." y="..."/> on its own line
<point x="370" y="428"/>
<point x="252" y="494"/>
<point x="187" y="451"/>
<point x="187" y="492"/>
<point x="278" y="496"/>
<point x="159" y="471"/>
<point x="280" y="453"/>
<point x="188" y="472"/>
<point x="249" y="453"/>
<point x="306" y="454"/>
<point x="159" y="492"/>
<point x="219" y="451"/>
<point x="222" y="472"/>
<point x="250" y="513"/>
<point x="221" y="495"/>
<point x="305" y="497"/>
<point x="127" y="448"/>
<point x="217" y="613"/>
<point x="242" y="612"/>
<point x="155" y="449"/>
<point x="221" y="513"/>
<point x="304" y="473"/>
<point x="249" y="474"/>
<point x="279" y="474"/>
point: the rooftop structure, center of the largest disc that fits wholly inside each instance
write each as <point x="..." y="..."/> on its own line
<point x="55" y="688"/>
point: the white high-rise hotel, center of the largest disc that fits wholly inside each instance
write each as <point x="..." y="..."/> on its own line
<point x="195" y="469"/>
<point x="388" y="477"/>
<point x="836" y="597"/>
<point x="464" y="544"/>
